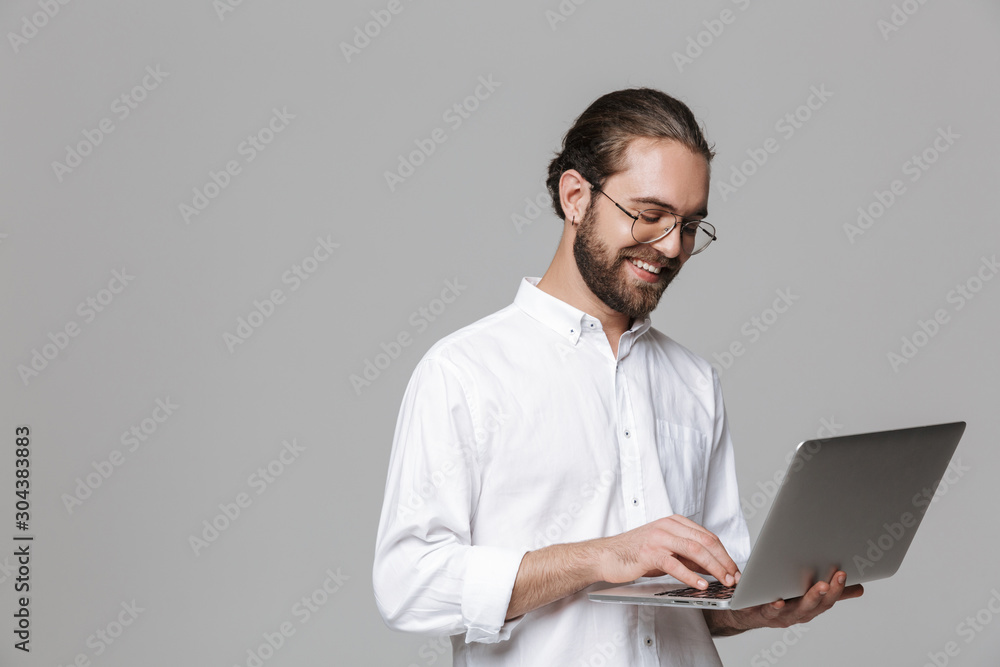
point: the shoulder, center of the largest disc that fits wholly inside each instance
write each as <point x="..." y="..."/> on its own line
<point x="693" y="367"/>
<point x="479" y="341"/>
<point x="675" y="350"/>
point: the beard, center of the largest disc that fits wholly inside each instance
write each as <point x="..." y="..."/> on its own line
<point x="602" y="271"/>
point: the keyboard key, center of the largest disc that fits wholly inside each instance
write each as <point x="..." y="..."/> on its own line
<point x="716" y="591"/>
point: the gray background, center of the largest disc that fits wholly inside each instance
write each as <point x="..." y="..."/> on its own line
<point x="324" y="176"/>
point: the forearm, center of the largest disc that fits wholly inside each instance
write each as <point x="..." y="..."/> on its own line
<point x="727" y="622"/>
<point x="552" y="573"/>
<point x="666" y="546"/>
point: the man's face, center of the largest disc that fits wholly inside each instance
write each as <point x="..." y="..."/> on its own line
<point x="660" y="173"/>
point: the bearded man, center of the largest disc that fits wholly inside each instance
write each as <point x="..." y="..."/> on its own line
<point x="564" y="442"/>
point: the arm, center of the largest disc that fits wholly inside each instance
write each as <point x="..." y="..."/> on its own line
<point x="427" y="574"/>
<point x="673" y="545"/>
<point x="781" y="614"/>
<point x="552" y="573"/>
<point x="429" y="577"/>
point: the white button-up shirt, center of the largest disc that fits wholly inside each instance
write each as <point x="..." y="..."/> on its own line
<point x="523" y="430"/>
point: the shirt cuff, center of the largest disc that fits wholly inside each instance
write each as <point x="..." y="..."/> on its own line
<point x="489" y="580"/>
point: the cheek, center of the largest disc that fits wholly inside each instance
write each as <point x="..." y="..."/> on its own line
<point x="625" y="242"/>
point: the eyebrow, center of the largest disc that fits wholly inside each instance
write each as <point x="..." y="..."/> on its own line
<point x="662" y="204"/>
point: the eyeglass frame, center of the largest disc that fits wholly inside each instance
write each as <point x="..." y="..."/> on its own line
<point x="677" y="219"/>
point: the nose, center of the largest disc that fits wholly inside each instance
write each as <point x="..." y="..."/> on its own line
<point x="670" y="245"/>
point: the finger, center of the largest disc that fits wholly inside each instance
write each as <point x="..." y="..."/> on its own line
<point x="712" y="542"/>
<point x="838" y="590"/>
<point x="772" y="610"/>
<point x="676" y="569"/>
<point x="852" y="591"/>
<point x="801" y="609"/>
<point x="818" y="598"/>
<point x="688" y="523"/>
<point x="821" y="596"/>
<point x="836" y="586"/>
<point x="720" y="565"/>
<point x="695" y="567"/>
<point x="695" y="554"/>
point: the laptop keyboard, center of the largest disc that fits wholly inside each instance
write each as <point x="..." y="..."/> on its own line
<point x="715" y="591"/>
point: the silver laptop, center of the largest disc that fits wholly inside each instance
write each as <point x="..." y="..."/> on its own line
<point x="850" y="503"/>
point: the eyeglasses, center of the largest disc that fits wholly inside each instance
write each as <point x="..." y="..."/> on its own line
<point x="653" y="224"/>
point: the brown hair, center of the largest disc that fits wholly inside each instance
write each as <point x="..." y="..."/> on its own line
<point x="596" y="144"/>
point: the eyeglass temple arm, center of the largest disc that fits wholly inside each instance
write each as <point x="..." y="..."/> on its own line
<point x="620" y="208"/>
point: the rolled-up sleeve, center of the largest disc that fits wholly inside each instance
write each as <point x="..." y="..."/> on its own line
<point x="428" y="576"/>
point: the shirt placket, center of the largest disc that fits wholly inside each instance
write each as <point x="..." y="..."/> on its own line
<point x="628" y="452"/>
<point x="632" y="492"/>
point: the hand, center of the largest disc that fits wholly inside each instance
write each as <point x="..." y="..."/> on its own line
<point x="782" y="613"/>
<point x="673" y="545"/>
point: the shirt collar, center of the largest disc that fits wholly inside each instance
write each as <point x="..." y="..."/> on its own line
<point x="561" y="317"/>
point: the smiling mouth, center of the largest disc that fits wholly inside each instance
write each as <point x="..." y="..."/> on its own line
<point x="645" y="266"/>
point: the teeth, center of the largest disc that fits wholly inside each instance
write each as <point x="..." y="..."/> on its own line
<point x="648" y="267"/>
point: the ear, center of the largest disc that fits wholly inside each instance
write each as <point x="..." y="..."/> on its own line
<point x="574" y="195"/>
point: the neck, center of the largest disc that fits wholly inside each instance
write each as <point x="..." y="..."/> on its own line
<point x="563" y="281"/>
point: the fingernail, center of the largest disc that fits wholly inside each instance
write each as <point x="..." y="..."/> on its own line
<point x="729" y="580"/>
<point x="702" y="583"/>
<point x="737" y="577"/>
<point x="841" y="579"/>
<point x="822" y="592"/>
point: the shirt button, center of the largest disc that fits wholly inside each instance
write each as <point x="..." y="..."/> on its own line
<point x="628" y="433"/>
<point x="635" y="501"/>
<point x="648" y="641"/>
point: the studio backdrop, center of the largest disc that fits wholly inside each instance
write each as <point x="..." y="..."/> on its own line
<point x="231" y="228"/>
